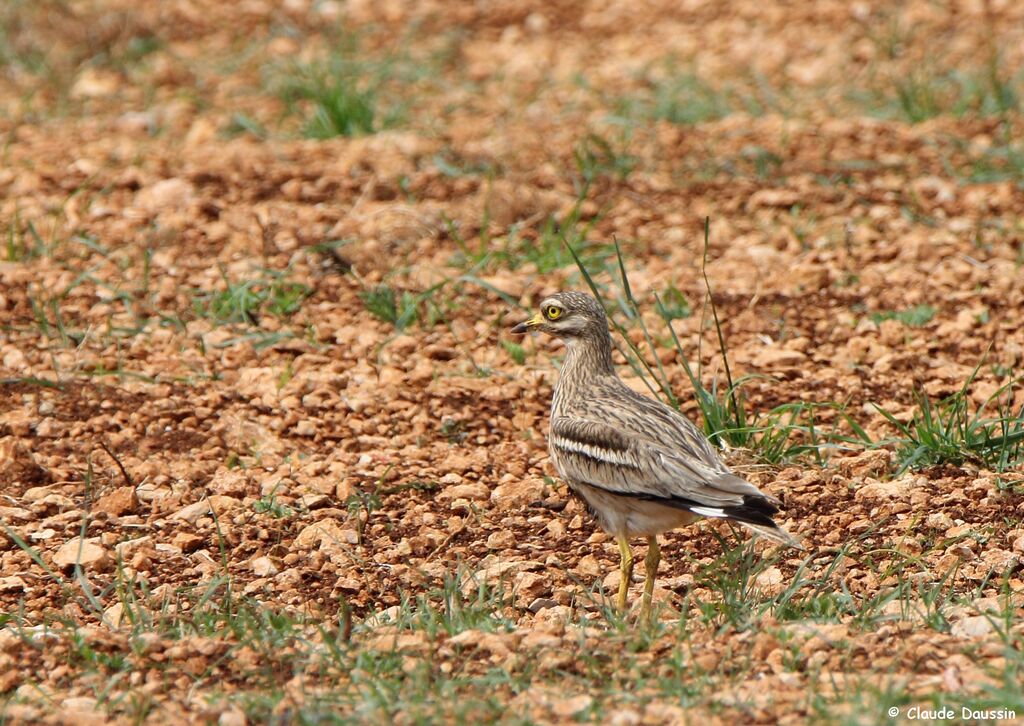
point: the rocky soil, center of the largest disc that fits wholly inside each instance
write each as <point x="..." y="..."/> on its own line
<point x="249" y="373"/>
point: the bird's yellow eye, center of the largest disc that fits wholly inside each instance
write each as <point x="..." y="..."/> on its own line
<point x="552" y="313"/>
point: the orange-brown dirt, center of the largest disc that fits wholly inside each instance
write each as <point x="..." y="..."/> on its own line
<point x="165" y="437"/>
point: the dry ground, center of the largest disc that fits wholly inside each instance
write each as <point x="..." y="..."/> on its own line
<point x="268" y="454"/>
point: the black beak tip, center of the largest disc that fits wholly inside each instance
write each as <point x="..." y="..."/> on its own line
<point x="520" y="329"/>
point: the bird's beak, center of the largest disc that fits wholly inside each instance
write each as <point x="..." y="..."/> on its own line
<point x="528" y="325"/>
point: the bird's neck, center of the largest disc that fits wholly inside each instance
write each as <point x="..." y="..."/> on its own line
<point x="587" y="358"/>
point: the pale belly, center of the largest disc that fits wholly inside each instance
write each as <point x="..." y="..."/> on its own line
<point x="630" y="516"/>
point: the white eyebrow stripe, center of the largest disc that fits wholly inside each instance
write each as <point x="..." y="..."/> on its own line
<point x="620" y="458"/>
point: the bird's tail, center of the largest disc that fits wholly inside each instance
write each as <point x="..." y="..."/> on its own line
<point x="776" y="534"/>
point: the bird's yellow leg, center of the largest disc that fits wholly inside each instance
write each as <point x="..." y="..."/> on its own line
<point x="625" y="572"/>
<point x="651" y="565"/>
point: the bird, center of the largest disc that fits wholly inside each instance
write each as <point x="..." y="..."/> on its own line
<point x="640" y="466"/>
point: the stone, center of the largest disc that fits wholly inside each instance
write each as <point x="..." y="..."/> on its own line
<point x="313" y="501"/>
<point x="781" y="198"/>
<point x="882" y="490"/>
<point x="625" y="717"/>
<point x="385" y="617"/>
<point x="54" y="502"/>
<point x="115" y="616"/>
<point x="95" y="83"/>
<point x="234" y="716"/>
<point x="976" y="626"/>
<point x="567" y="708"/>
<point x="174" y="194"/>
<point x="541" y="603"/>
<point x="87" y="553"/>
<point x="12" y="583"/>
<point x="589" y="566"/>
<point x="187" y="542"/>
<point x="49" y="428"/>
<point x="770" y="581"/>
<point x="498" y="645"/>
<point x="216" y="503"/>
<point x="476" y="491"/>
<point x="528" y="586"/>
<point x="939" y="520"/>
<point x="18" y="464"/>
<point x="15" y="514"/>
<point x="263" y="567"/>
<point x="35" y="494"/>
<point x="15" y="360"/>
<point x="779" y="358"/>
<point x="129" y="547"/>
<point x="517" y="494"/>
<point x="121" y="501"/>
<point x="326" y="534"/>
<point x="500" y="540"/>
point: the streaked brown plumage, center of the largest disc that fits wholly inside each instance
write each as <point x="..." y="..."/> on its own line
<point x="641" y="467"/>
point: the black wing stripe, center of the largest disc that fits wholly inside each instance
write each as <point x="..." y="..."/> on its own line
<point x="754" y="510"/>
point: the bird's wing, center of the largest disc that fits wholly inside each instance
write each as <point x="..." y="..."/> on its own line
<point x="622" y="458"/>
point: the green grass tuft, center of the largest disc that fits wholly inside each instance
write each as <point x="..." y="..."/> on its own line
<point x="515" y="351"/>
<point x="1002" y="161"/>
<point x="597" y="157"/>
<point x="949" y="432"/>
<point x="952" y="431"/>
<point x="245" y="301"/>
<point x="347" y="92"/>
<point x="927" y="93"/>
<point x="340" y="108"/>
<point x="385" y="304"/>
<point x="915" y="317"/>
<point x="686" y="98"/>
<point x="545" y="248"/>
<point x="23" y="244"/>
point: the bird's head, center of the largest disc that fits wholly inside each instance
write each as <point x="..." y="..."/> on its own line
<point x="567" y="315"/>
